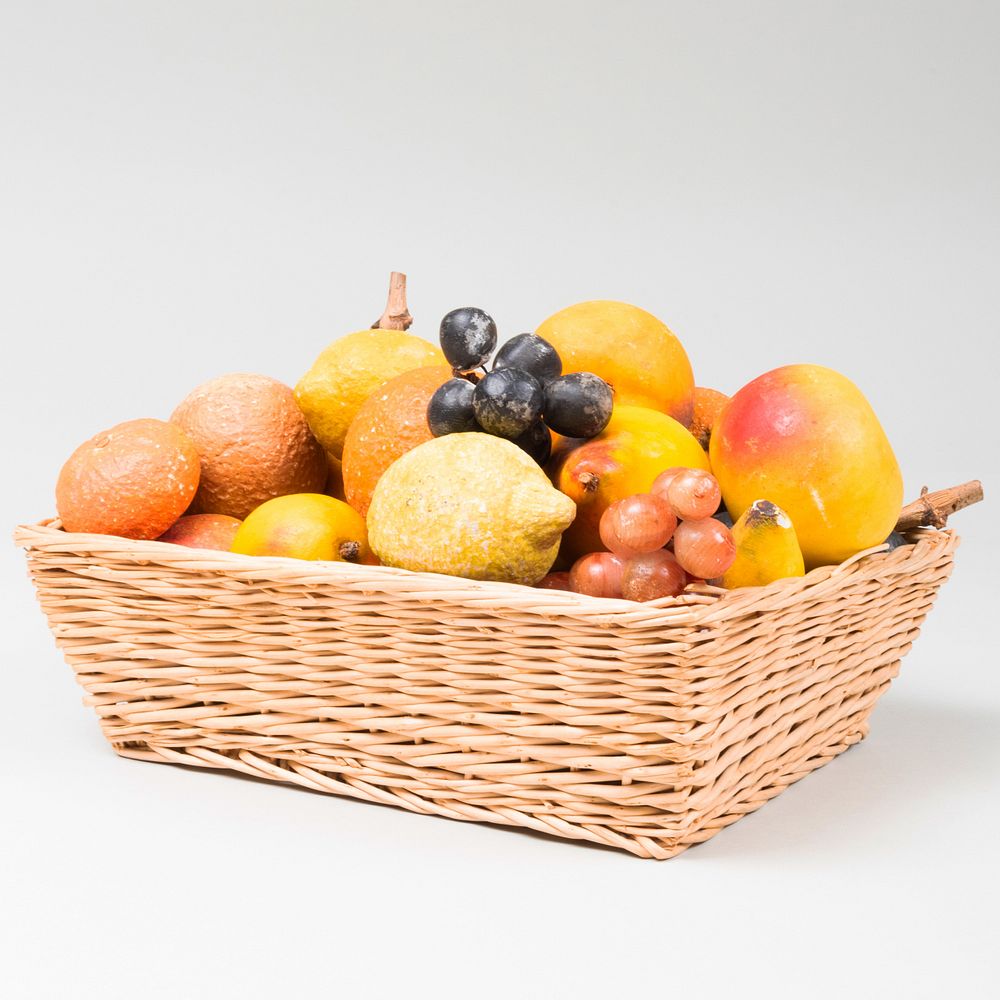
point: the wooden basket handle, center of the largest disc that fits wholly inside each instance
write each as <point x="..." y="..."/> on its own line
<point x="932" y="510"/>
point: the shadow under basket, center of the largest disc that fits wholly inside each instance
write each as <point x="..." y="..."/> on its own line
<point x="645" y="727"/>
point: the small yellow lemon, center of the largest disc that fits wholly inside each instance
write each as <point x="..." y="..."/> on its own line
<point x="305" y="526"/>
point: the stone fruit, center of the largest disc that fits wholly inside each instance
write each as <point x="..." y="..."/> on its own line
<point x="630" y="349"/>
<point x="636" y="446"/>
<point x="531" y="354"/>
<point x="704" y="548"/>
<point x="470" y="505"/>
<point x="806" y="438"/>
<point x="133" y="480"/>
<point x="653" y="575"/>
<point x="203" y="531"/>
<point x="598" y="574"/>
<point x="638" y="524"/>
<point x="468" y="338"/>
<point x="450" y="409"/>
<point x="507" y="402"/>
<point x="349" y="371"/>
<point x="767" y="548"/>
<point x="305" y="526"/>
<point x="253" y="442"/>
<point x="390" y="422"/>
<point x="708" y="404"/>
<point x="578" y="405"/>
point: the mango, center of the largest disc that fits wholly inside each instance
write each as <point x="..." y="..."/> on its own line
<point x="624" y="459"/>
<point x="767" y="548"/>
<point x="305" y="526"/>
<point x="805" y="437"/>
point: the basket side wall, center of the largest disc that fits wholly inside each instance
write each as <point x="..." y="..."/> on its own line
<point x="647" y="737"/>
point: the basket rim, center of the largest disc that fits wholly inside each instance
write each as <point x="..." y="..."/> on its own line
<point x="704" y="603"/>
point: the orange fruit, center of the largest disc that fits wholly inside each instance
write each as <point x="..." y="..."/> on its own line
<point x="630" y="349"/>
<point x="133" y="480"/>
<point x="390" y="422"/>
<point x="708" y="404"/>
<point x="203" y="531"/>
<point x="253" y="441"/>
<point x="305" y="526"/>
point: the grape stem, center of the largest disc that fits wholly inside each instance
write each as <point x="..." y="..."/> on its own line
<point x="932" y="510"/>
<point x="396" y="315"/>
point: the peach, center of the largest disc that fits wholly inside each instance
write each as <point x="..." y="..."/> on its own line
<point x="203" y="531"/>
<point x="708" y="404"/>
<point x="805" y="437"/>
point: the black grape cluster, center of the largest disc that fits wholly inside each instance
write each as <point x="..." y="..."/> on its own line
<point x="522" y="397"/>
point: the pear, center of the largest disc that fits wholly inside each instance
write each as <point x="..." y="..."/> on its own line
<point x="767" y="548"/>
<point x="469" y="505"/>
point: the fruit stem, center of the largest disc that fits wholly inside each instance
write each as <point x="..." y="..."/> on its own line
<point x="934" y="509"/>
<point x="349" y="551"/>
<point x="396" y="316"/>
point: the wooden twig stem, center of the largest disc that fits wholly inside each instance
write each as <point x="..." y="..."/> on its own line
<point x="396" y="315"/>
<point x="932" y="510"/>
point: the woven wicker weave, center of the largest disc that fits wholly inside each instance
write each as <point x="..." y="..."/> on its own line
<point x="646" y="727"/>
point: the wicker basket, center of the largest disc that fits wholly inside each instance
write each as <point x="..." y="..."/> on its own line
<point x="646" y="727"/>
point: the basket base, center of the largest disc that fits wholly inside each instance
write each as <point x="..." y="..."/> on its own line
<point x="798" y="761"/>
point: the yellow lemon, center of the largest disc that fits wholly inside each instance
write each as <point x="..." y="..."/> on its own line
<point x="349" y="371"/>
<point x="469" y="505"/>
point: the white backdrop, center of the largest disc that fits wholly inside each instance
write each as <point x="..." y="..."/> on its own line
<point x="193" y="188"/>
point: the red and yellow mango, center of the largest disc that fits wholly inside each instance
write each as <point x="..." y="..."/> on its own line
<point x="624" y="459"/>
<point x="806" y="438"/>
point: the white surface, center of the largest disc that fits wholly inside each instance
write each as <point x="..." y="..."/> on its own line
<point x="188" y="189"/>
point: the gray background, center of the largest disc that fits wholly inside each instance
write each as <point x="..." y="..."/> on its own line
<point x="193" y="188"/>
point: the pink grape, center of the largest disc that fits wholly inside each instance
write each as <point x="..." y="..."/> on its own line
<point x="662" y="482"/>
<point x="705" y="548"/>
<point x="637" y="524"/>
<point x="694" y="494"/>
<point x="653" y="575"/>
<point x="598" y="574"/>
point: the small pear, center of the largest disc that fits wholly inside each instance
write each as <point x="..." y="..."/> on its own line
<point x="767" y="548"/>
